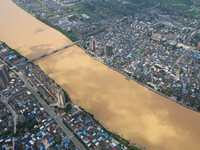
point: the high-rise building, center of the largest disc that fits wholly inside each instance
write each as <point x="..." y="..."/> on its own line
<point x="177" y="77"/>
<point x="4" y="77"/>
<point x="60" y="97"/>
<point x="92" y="44"/>
<point x="109" y="48"/>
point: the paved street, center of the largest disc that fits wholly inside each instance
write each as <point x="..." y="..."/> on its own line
<point x="51" y="112"/>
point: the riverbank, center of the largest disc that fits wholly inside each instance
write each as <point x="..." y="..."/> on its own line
<point x="129" y="77"/>
<point x="124" y="106"/>
<point x="118" y="138"/>
<point x="125" y="141"/>
<point x="69" y="34"/>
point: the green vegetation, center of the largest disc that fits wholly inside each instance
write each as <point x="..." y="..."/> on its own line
<point x="137" y="78"/>
<point x="57" y="142"/>
<point x="69" y="34"/>
<point x="29" y="125"/>
<point x="66" y="109"/>
<point x="83" y="8"/>
<point x="129" y="74"/>
<point x="179" y="4"/>
<point x="114" y="61"/>
<point x="165" y="92"/>
<point x="195" y="13"/>
<point x="6" y="134"/>
<point x="198" y="108"/>
<point x="67" y="98"/>
<point x="150" y="86"/>
<point x="67" y="126"/>
<point x="142" y="52"/>
<point x="95" y="9"/>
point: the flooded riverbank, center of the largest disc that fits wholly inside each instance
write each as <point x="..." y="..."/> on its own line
<point x="123" y="106"/>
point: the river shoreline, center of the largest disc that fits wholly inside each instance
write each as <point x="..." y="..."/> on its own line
<point x="131" y="146"/>
<point x="114" y="134"/>
<point x="121" y="72"/>
<point x="124" y="106"/>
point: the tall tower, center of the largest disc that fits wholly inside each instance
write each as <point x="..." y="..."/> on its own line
<point x="109" y="48"/>
<point x="60" y="97"/>
<point x="4" y="77"/>
<point x="92" y="44"/>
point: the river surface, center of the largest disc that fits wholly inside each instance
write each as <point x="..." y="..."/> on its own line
<point x="123" y="106"/>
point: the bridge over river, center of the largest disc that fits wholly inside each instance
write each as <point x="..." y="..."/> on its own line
<point x="49" y="53"/>
<point x="54" y="51"/>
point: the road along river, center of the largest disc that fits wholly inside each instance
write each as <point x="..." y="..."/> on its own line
<point x="123" y="106"/>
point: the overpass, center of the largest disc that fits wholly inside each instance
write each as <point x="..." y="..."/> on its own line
<point x="53" y="51"/>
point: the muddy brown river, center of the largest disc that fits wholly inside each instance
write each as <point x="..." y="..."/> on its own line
<point x="123" y="106"/>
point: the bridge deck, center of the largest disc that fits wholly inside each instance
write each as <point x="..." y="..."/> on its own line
<point x="53" y="51"/>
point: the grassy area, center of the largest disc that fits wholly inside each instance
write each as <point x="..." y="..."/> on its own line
<point x="179" y="4"/>
<point x="95" y="10"/>
<point x="67" y="98"/>
<point x="29" y="125"/>
<point x="66" y="109"/>
<point x="195" y="13"/>
<point x="83" y="8"/>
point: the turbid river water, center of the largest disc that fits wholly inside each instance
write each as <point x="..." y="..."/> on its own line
<point x="121" y="105"/>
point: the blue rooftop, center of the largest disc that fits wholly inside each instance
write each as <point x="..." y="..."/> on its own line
<point x="32" y="116"/>
<point x="10" y="56"/>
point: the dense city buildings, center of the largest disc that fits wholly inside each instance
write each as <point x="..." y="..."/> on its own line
<point x="4" y="77"/>
<point x="26" y="123"/>
<point x="38" y="114"/>
<point x="156" y="44"/>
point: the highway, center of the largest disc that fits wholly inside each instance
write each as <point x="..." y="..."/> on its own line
<point x="51" y="112"/>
